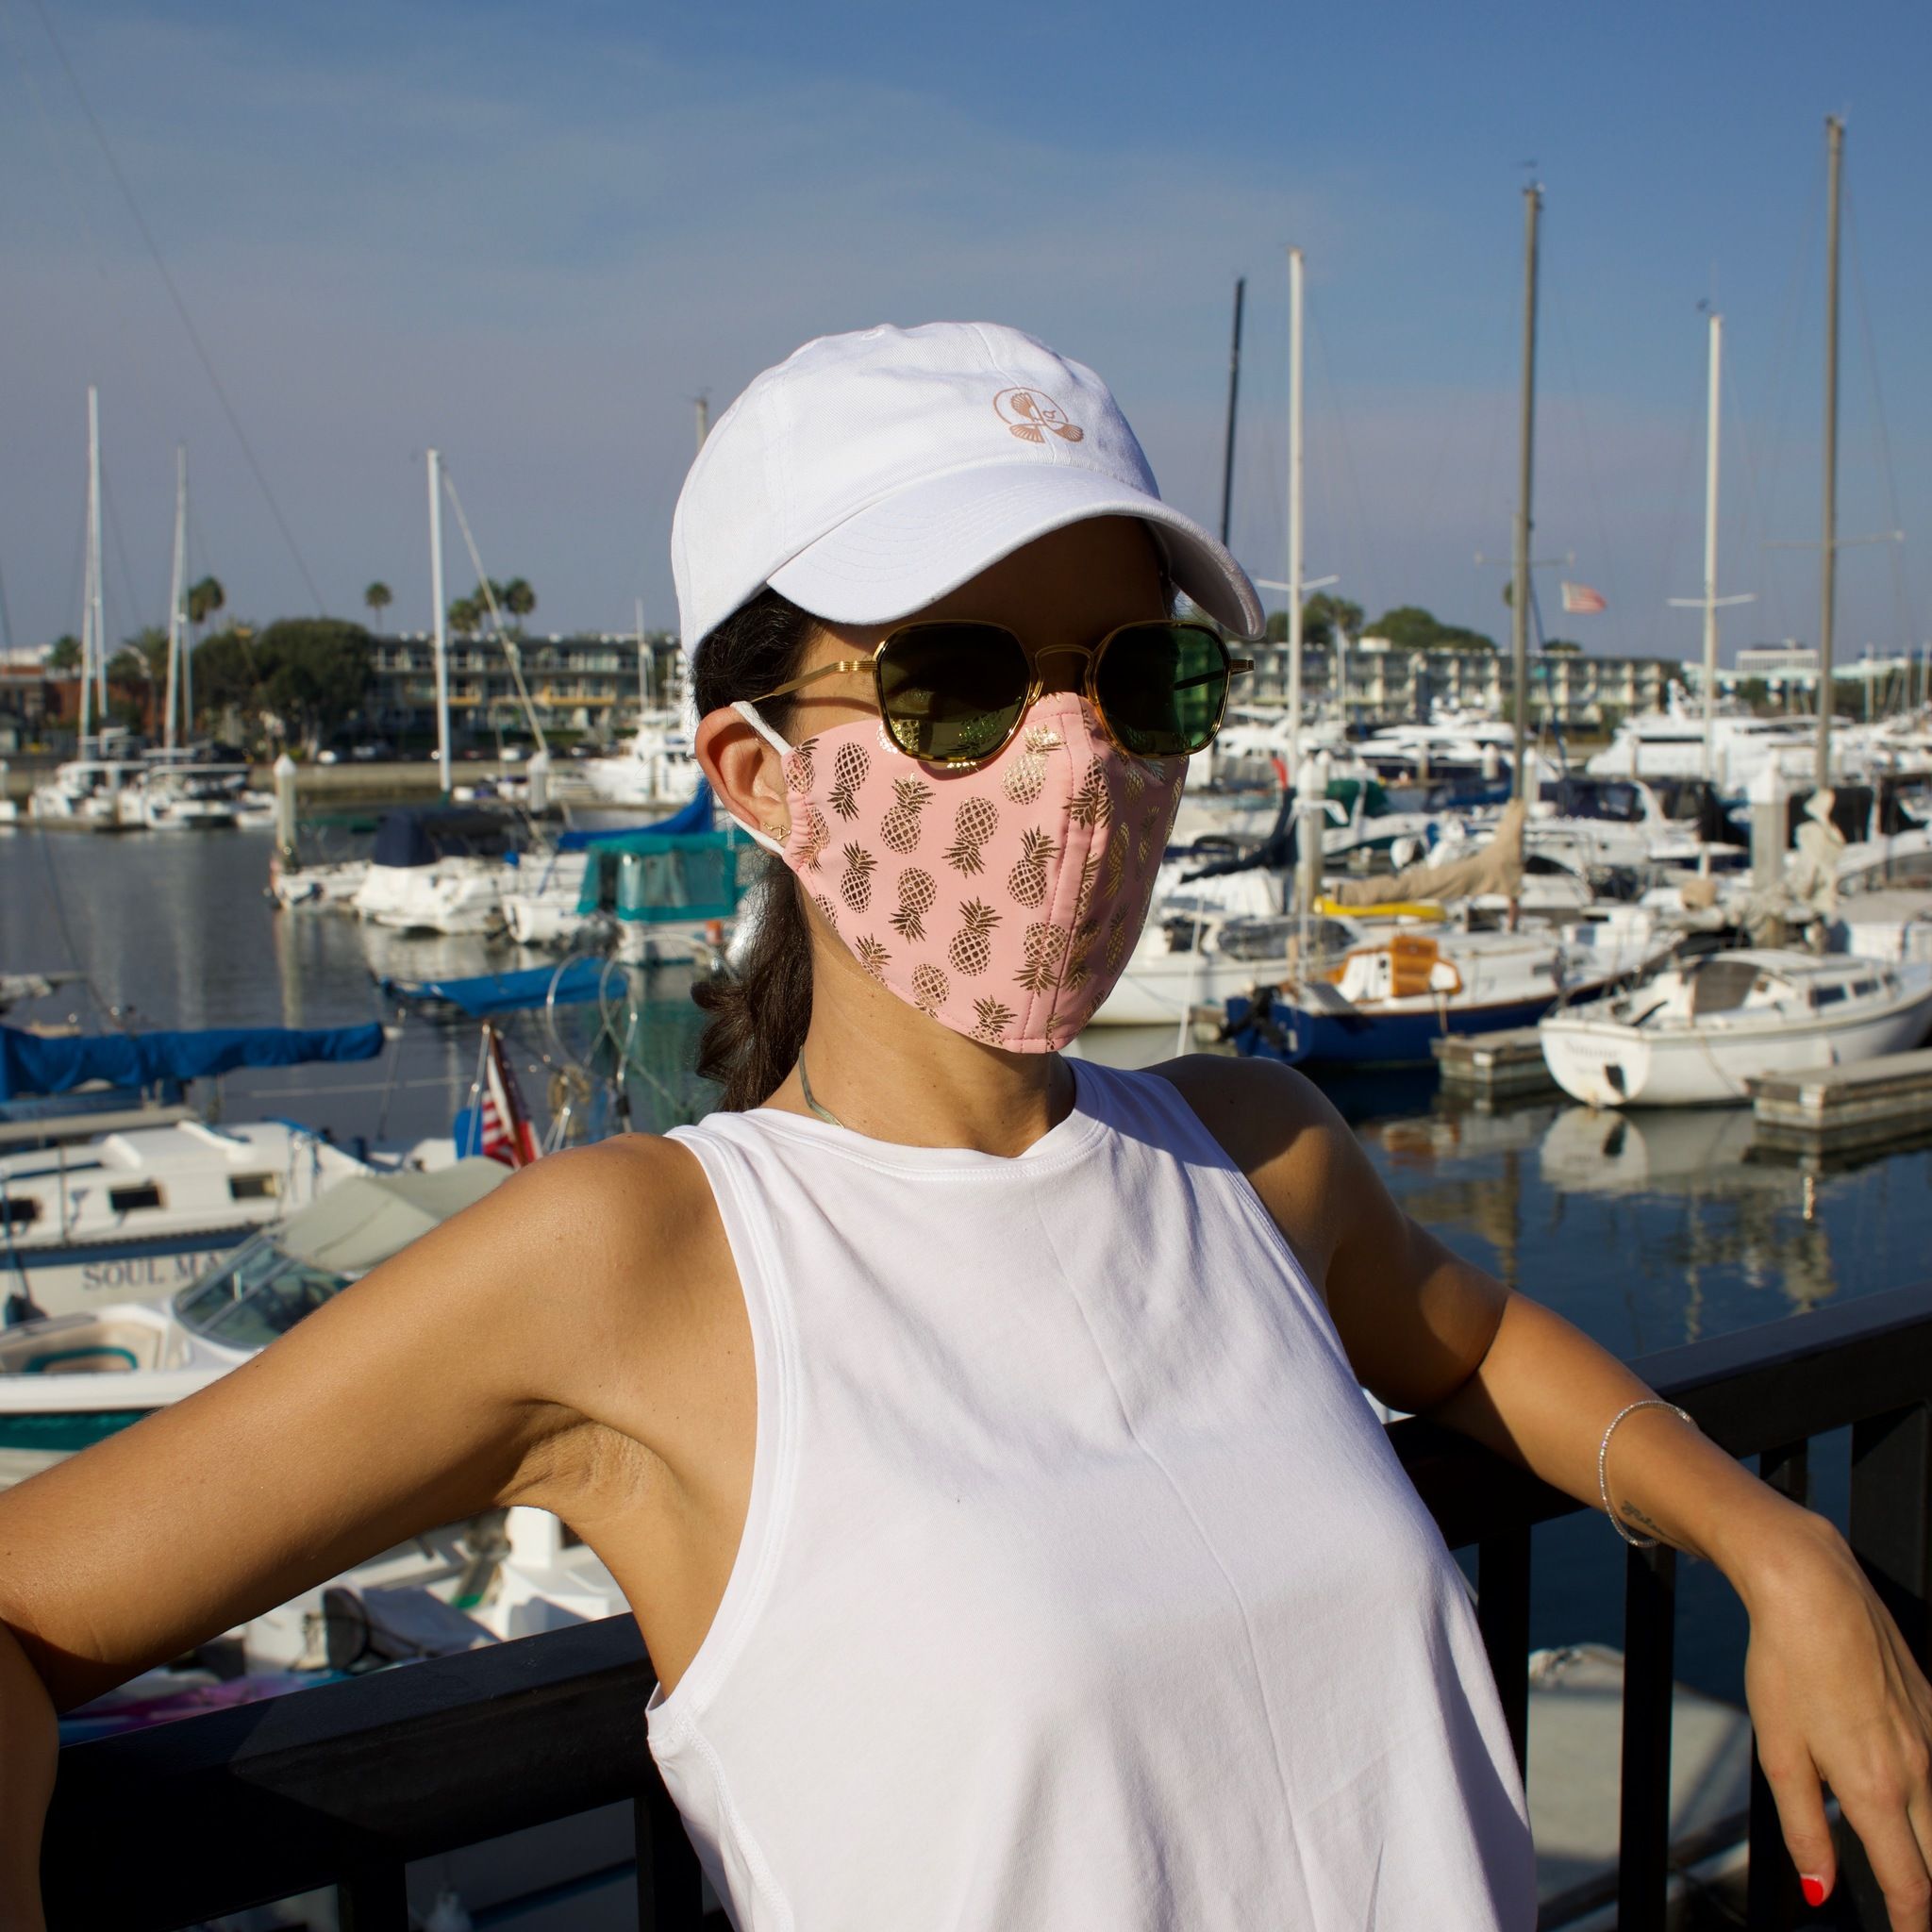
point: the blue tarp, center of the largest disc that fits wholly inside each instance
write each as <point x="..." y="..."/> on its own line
<point x="419" y="835"/>
<point x="693" y="816"/>
<point x="30" y="1063"/>
<point x="505" y="993"/>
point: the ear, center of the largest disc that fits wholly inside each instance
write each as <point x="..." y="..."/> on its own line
<point x="744" y="771"/>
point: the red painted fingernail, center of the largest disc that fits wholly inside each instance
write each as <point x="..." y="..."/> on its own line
<point x="1813" y="1889"/>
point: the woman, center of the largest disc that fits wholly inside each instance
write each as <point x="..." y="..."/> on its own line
<point x="979" y="1442"/>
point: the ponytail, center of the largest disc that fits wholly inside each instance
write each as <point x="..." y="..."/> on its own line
<point x="758" y="1017"/>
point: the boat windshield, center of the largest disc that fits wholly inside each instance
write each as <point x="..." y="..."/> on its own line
<point x="257" y="1294"/>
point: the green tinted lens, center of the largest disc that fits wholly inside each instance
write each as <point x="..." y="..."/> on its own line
<point x="951" y="693"/>
<point x="1161" y="688"/>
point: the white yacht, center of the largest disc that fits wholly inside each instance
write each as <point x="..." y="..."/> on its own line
<point x="69" y="1379"/>
<point x="92" y="795"/>
<point x="1696" y="1032"/>
<point x="436" y="870"/>
<point x="657" y="766"/>
<point x="1670" y="744"/>
<point x="135" y="1213"/>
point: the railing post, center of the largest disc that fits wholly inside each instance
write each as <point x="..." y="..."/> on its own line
<point x="670" y="1884"/>
<point x="1650" y="1603"/>
<point x="1772" y="1897"/>
<point x="1891" y="1484"/>
<point x="1502" y="1614"/>
<point x="374" y="1898"/>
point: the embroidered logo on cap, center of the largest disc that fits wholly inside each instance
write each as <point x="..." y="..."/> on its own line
<point x="1027" y="414"/>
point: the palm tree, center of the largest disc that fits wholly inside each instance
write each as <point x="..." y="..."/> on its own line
<point x="466" y="616"/>
<point x="518" y="598"/>
<point x="378" y="597"/>
<point x="205" y="599"/>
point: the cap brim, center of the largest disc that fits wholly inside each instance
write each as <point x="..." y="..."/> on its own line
<point x="900" y="553"/>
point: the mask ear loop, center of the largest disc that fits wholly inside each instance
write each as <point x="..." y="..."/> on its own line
<point x="757" y="834"/>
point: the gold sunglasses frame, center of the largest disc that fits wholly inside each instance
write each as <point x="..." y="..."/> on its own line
<point x="1035" y="685"/>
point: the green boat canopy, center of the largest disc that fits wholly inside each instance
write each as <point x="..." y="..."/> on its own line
<point x="658" y="878"/>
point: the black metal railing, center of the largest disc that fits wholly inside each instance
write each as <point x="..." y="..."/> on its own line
<point x="345" y="1784"/>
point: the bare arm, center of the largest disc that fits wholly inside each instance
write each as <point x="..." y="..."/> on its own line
<point x="1834" y="1690"/>
<point x="445" y="1382"/>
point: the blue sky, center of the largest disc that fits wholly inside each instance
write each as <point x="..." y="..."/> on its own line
<point x="531" y="235"/>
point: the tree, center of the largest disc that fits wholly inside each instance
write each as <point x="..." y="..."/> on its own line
<point x="466" y="616"/>
<point x="63" y="654"/>
<point x="378" y="597"/>
<point x="311" y="673"/>
<point x="224" y="674"/>
<point x="1410" y="627"/>
<point x="1320" y="615"/>
<point x="518" y="598"/>
<point x="149" y="646"/>
<point x="205" y="599"/>
<point x="1561" y="647"/>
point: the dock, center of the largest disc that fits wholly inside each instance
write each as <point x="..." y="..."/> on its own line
<point x="1837" y="1107"/>
<point x="1494" y="1064"/>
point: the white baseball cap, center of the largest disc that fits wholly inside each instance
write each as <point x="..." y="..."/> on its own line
<point x="869" y="474"/>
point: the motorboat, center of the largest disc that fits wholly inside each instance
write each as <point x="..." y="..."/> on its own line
<point x="1390" y="994"/>
<point x="90" y="794"/>
<point x="180" y="796"/>
<point x="1670" y="744"/>
<point x="69" y="1379"/>
<point x="657" y="766"/>
<point x="1696" y="1031"/>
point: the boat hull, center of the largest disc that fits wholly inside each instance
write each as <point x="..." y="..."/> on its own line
<point x="66" y="1280"/>
<point x="1604" y="1064"/>
<point x="1402" y="1037"/>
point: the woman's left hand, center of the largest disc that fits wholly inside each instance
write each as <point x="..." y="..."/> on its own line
<point x="1837" y="1700"/>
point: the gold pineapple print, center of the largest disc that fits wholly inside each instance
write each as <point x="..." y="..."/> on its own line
<point x="798" y="767"/>
<point x="1026" y="774"/>
<point x="917" y="892"/>
<point x="1090" y="874"/>
<point x="1116" y="863"/>
<point x="818" y="835"/>
<point x="991" y="1021"/>
<point x="1144" y="849"/>
<point x="1118" y="939"/>
<point x="849" y="768"/>
<point x="970" y="951"/>
<point x="1136" y="781"/>
<point x="1079" y="964"/>
<point x="855" y="885"/>
<point x="1047" y="950"/>
<point x="929" y="988"/>
<point x="973" y="824"/>
<point x="1027" y="879"/>
<point x="900" y="827"/>
<point x="871" y="955"/>
<point x="1092" y="803"/>
<point x="825" y="906"/>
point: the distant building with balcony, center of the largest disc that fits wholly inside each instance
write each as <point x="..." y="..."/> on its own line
<point x="1387" y="685"/>
<point x="595" y="685"/>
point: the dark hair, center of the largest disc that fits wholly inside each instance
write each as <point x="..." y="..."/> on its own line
<point x="758" y="1018"/>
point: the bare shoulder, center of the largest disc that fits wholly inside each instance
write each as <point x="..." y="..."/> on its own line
<point x="1284" y="1134"/>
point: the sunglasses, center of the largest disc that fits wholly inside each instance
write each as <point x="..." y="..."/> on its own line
<point x="953" y="691"/>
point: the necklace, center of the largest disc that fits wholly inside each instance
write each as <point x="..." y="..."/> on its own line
<point x="812" y="1101"/>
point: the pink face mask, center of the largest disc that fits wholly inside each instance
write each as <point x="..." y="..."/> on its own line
<point x="1003" y="899"/>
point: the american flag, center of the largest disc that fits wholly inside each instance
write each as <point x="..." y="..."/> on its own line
<point x="507" y="1134"/>
<point x="1581" y="599"/>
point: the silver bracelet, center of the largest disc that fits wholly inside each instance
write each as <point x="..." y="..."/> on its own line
<point x="1603" y="1488"/>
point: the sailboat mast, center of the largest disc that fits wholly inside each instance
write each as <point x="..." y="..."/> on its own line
<point x="1710" y="454"/>
<point x="440" y="624"/>
<point x="96" y="615"/>
<point x="1827" y="576"/>
<point x="1519" y="597"/>
<point x="174" y="594"/>
<point x="1234" y="389"/>
<point x="1294" y="513"/>
<point x="643" y="666"/>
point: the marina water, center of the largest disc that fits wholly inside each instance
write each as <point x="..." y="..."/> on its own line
<point x="1645" y="1230"/>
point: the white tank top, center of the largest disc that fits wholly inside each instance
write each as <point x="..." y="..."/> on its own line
<point x="1079" y="1587"/>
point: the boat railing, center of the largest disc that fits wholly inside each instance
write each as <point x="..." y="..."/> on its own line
<point x="345" y="1784"/>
